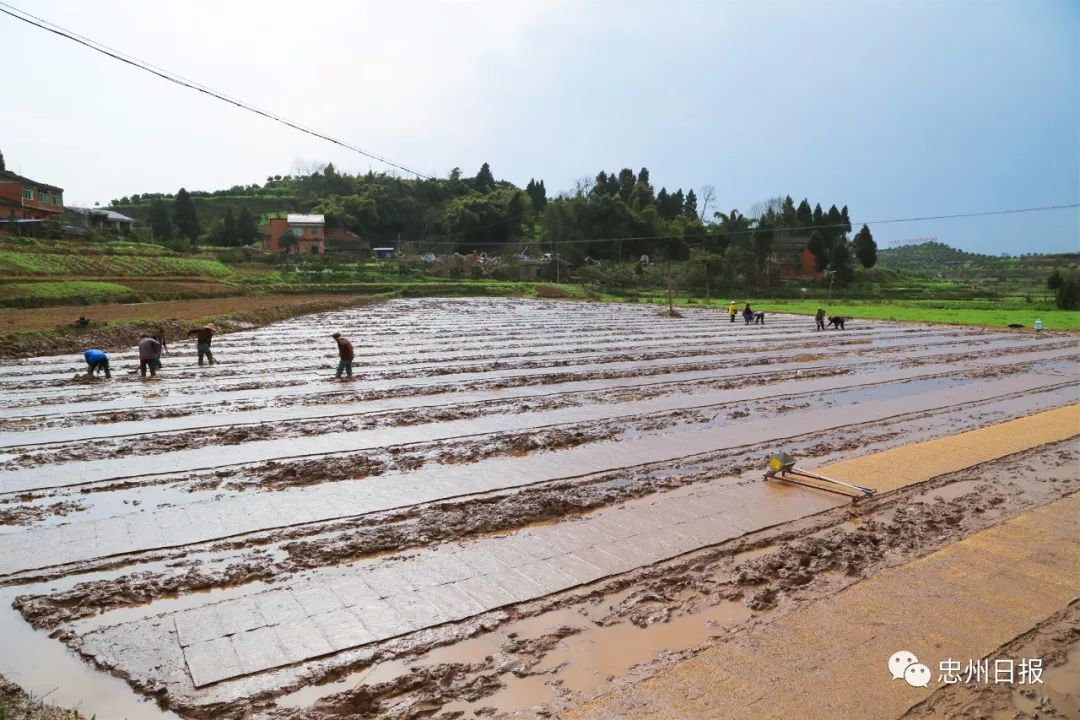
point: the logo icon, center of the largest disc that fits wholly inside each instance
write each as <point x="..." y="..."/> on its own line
<point x="899" y="661"/>
<point x="903" y="665"/>
<point x="917" y="675"/>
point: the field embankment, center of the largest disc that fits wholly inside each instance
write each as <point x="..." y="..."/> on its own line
<point x="40" y="331"/>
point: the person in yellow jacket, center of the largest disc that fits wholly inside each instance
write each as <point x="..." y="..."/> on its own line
<point x="732" y="310"/>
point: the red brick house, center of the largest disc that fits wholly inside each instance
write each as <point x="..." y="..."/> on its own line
<point x="791" y="257"/>
<point x="23" y="200"/>
<point x="309" y="231"/>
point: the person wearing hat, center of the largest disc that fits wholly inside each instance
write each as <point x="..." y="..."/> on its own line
<point x="732" y="310"/>
<point x="203" y="337"/>
<point x="345" y="353"/>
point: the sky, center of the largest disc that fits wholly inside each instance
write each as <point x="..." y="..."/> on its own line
<point x="897" y="109"/>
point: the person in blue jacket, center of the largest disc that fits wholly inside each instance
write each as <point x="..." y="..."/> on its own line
<point x="97" y="360"/>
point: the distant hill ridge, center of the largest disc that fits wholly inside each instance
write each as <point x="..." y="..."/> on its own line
<point x="936" y="259"/>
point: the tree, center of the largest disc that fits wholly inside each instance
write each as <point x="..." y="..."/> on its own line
<point x="678" y="202"/>
<point x="705" y="271"/>
<point x="804" y="215"/>
<point x="226" y="234"/>
<point x="733" y="226"/>
<point x="865" y="247"/>
<point x="159" y="221"/>
<point x="708" y="199"/>
<point x="663" y="201"/>
<point x="1068" y="294"/>
<point x="627" y="181"/>
<point x="1055" y="280"/>
<point x="642" y="196"/>
<point x="789" y="216"/>
<point x="537" y="194"/>
<point x="690" y="204"/>
<point x="2" y="166"/>
<point x="484" y="180"/>
<point x="818" y="214"/>
<point x="247" y="232"/>
<point x="187" y="222"/>
<point x="819" y="248"/>
<point x="288" y="241"/>
<point x="840" y="263"/>
<point x="834" y="222"/>
<point x="643" y="176"/>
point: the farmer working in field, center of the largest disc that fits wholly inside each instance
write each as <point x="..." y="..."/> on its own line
<point x="747" y="314"/>
<point x="149" y="355"/>
<point x="345" y="352"/>
<point x="203" y="338"/>
<point x="96" y="361"/>
<point x="732" y="310"/>
<point x="819" y="318"/>
<point x="159" y="335"/>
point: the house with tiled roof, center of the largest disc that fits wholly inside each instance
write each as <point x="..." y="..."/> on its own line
<point x="303" y="234"/>
<point x="26" y="202"/>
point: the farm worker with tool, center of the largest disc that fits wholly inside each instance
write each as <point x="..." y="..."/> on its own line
<point x="96" y="360"/>
<point x="203" y="337"/>
<point x="732" y="310"/>
<point x="819" y="318"/>
<point x="149" y="355"/>
<point x="345" y="352"/>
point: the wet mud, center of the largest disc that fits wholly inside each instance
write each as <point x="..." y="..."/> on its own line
<point x="540" y="658"/>
<point x="1056" y="642"/>
<point x="442" y="388"/>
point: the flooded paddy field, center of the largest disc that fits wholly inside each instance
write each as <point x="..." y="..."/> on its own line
<point x="513" y="506"/>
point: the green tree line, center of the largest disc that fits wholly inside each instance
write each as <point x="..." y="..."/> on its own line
<point x="612" y="216"/>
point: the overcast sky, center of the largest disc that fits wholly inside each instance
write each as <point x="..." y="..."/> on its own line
<point x="896" y="109"/>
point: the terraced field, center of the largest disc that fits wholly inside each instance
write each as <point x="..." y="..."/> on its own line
<point x="513" y="507"/>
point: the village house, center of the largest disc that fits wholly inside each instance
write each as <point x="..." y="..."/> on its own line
<point x="79" y="220"/>
<point x="304" y="234"/>
<point x="25" y="203"/>
<point x="790" y="256"/>
<point x="340" y="239"/>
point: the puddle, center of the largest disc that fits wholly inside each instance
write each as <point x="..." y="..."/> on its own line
<point x="41" y="665"/>
<point x="602" y="652"/>
<point x="581" y="662"/>
<point x="518" y="694"/>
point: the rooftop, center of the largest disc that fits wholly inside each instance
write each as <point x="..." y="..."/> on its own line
<point x="305" y="219"/>
<point x="111" y="215"/>
<point x="8" y="176"/>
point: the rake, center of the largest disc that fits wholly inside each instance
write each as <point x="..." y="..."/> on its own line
<point x="782" y="467"/>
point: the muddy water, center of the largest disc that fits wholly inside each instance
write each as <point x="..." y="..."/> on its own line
<point x="661" y="382"/>
<point x="41" y="665"/>
<point x="587" y="655"/>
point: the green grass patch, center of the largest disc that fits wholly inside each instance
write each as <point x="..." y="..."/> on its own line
<point x="32" y="263"/>
<point x="70" y="292"/>
<point x="983" y="313"/>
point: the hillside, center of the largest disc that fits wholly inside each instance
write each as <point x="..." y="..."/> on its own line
<point x="928" y="258"/>
<point x="936" y="259"/>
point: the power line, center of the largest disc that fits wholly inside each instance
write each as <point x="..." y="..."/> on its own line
<point x="172" y="77"/>
<point x="750" y="231"/>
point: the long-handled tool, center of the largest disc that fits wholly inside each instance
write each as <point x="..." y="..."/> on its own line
<point x="782" y="467"/>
